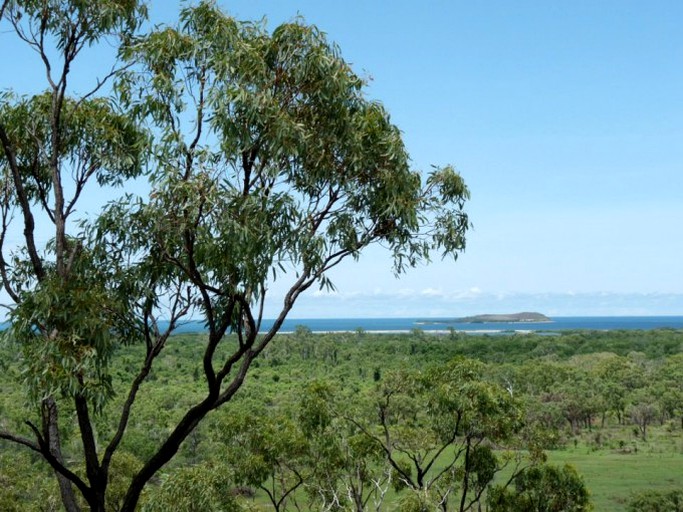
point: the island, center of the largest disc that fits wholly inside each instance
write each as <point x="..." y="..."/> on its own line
<point x="506" y="318"/>
<point x="525" y="317"/>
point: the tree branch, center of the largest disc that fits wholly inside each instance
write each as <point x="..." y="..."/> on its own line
<point x="8" y="436"/>
<point x="3" y="263"/>
<point x="92" y="464"/>
<point x="102" y="81"/>
<point x="44" y="450"/>
<point x="29" y="223"/>
<point x="386" y="449"/>
<point x="153" y="351"/>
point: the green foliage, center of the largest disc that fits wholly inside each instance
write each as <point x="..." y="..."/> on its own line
<point x="201" y="488"/>
<point x="66" y="338"/>
<point x="61" y="324"/>
<point x="463" y="403"/>
<point x="123" y="467"/>
<point x="542" y="488"/>
<point x="336" y="454"/>
<point x="25" y="485"/>
<point x="90" y="20"/>
<point x="265" y="451"/>
<point x="314" y="408"/>
<point x="95" y="141"/>
<point x="435" y="429"/>
<point x="296" y="137"/>
<point x="401" y="475"/>
<point x="415" y="501"/>
<point x="656" y="501"/>
<point x="482" y="466"/>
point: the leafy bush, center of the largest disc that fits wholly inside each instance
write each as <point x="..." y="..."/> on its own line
<point x="542" y="488"/>
<point x="657" y="501"/>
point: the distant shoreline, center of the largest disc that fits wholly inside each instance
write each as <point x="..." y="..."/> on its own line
<point x="434" y="331"/>
<point x="397" y="325"/>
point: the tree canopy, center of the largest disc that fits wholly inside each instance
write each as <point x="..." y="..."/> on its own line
<point x="265" y="161"/>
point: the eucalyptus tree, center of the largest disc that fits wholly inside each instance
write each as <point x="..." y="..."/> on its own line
<point x="348" y="469"/>
<point x="437" y="428"/>
<point x="265" y="450"/>
<point x="66" y="312"/>
<point x="620" y="378"/>
<point x="266" y="162"/>
<point x="644" y="410"/>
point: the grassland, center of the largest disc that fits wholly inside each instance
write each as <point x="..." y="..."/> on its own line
<point x="612" y="476"/>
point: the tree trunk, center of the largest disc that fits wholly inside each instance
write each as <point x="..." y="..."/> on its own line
<point x="51" y="427"/>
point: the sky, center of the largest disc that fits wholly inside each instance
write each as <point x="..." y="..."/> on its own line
<point x="564" y="118"/>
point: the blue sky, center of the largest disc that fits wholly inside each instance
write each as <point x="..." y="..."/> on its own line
<point x="565" y="119"/>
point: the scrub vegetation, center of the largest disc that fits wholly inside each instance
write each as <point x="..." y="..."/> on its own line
<point x="362" y="421"/>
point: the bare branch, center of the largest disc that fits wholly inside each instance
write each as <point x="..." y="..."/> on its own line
<point x="385" y="447"/>
<point x="6" y="218"/>
<point x="29" y="223"/>
<point x="92" y="465"/>
<point x="8" y="436"/>
<point x="80" y="185"/>
<point x="200" y="123"/>
<point x="215" y="337"/>
<point x="40" y="46"/>
<point x="42" y="192"/>
<point x="115" y="69"/>
<point x="44" y="450"/>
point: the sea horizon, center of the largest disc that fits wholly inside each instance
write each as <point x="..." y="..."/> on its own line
<point x="447" y="324"/>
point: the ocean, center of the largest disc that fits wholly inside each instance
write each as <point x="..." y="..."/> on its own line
<point x="599" y="323"/>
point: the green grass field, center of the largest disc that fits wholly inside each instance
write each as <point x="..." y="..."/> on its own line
<point x="612" y="476"/>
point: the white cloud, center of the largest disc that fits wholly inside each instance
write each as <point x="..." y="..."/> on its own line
<point x="434" y="302"/>
<point x="325" y="293"/>
<point x="432" y="292"/>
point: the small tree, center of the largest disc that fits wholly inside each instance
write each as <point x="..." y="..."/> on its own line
<point x="265" y="162"/>
<point x="643" y="414"/>
<point x="346" y="466"/>
<point x="542" y="488"/>
<point x="436" y="430"/>
<point x="265" y="450"/>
